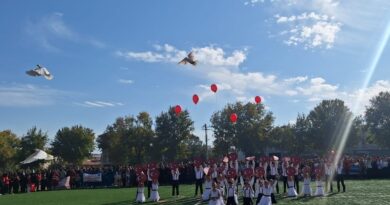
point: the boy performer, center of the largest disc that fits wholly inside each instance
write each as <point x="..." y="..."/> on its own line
<point x="231" y="194"/>
<point x="340" y="177"/>
<point x="247" y="193"/>
<point x="328" y="175"/>
<point x="175" y="180"/>
<point x="199" y="179"/>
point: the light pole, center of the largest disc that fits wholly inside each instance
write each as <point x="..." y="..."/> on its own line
<point x="206" y="128"/>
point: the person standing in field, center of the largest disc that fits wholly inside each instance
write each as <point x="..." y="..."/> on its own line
<point x="175" y="181"/>
<point x="340" y="177"/>
<point x="155" y="196"/>
<point x="199" y="180"/>
<point x="140" y="193"/>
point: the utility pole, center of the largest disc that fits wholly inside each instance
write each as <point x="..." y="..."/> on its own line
<point x="205" y="128"/>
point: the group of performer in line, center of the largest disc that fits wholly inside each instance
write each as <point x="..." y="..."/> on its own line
<point x="223" y="182"/>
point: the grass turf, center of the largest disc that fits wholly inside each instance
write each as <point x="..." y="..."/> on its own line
<point x="358" y="192"/>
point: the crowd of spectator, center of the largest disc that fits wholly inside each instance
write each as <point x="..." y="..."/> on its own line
<point x="30" y="180"/>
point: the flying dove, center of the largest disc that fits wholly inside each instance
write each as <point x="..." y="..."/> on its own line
<point x="40" y="71"/>
<point x="189" y="59"/>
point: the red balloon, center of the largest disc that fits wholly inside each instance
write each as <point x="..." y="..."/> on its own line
<point x="258" y="99"/>
<point x="233" y="117"/>
<point x="195" y="99"/>
<point x="214" y="88"/>
<point x="177" y="109"/>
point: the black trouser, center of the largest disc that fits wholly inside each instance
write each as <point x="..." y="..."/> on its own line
<point x="199" y="184"/>
<point x="328" y="181"/>
<point x="4" y="189"/>
<point x="175" y="185"/>
<point x="258" y="198"/>
<point x="231" y="201"/>
<point x="296" y="182"/>
<point x="123" y="181"/>
<point x="284" y="183"/>
<point x="23" y="188"/>
<point x="340" y="178"/>
<point x="273" y="177"/>
<point x="15" y="188"/>
<point x="248" y="201"/>
<point x="273" y="199"/>
<point x="149" y="187"/>
<point x="43" y="185"/>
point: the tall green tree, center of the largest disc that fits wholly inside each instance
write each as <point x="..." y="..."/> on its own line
<point x="172" y="131"/>
<point x="114" y="142"/>
<point x="301" y="135"/>
<point x="9" y="146"/>
<point x="250" y="133"/>
<point x="292" y="138"/>
<point x="34" y="139"/>
<point x="328" y="121"/>
<point x="142" y="140"/>
<point x="194" y="147"/>
<point x="282" y="137"/>
<point x="73" y="144"/>
<point x="358" y="133"/>
<point x="378" y="118"/>
<point x="128" y="139"/>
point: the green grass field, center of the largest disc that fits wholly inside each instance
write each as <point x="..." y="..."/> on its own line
<point x="372" y="192"/>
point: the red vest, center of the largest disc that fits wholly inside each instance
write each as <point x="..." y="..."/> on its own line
<point x="6" y="180"/>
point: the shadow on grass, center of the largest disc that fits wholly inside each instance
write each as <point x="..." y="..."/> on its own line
<point x="184" y="200"/>
<point x="309" y="198"/>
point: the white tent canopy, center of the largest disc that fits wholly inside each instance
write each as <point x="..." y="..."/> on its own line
<point x="37" y="155"/>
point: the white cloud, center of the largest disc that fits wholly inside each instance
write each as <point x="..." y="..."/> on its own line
<point x="315" y="24"/>
<point x="297" y="79"/>
<point x="253" y="2"/>
<point x="311" y="30"/>
<point x="318" y="87"/>
<point x="100" y="104"/>
<point x="143" y="56"/>
<point x="367" y="94"/>
<point x="318" y="90"/>
<point x="235" y="84"/>
<point x="123" y="81"/>
<point x="303" y="16"/>
<point x="291" y="92"/>
<point x="27" y="95"/>
<point x="209" y="55"/>
<point x="51" y="28"/>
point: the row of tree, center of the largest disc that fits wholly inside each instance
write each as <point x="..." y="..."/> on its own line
<point x="72" y="145"/>
<point x="136" y="139"/>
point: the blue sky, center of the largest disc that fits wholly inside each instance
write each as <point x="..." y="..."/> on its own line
<point x="117" y="58"/>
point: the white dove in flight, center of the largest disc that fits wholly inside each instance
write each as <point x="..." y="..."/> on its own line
<point x="40" y="71"/>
